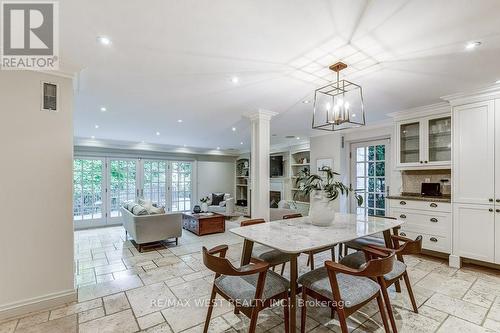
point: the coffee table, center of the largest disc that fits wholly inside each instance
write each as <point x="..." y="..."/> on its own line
<point x="201" y="224"/>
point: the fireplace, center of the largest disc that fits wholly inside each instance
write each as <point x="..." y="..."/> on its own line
<point x="274" y="198"/>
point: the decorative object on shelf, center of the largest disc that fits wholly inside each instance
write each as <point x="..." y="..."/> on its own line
<point x="304" y="161"/>
<point x="324" y="191"/>
<point x="196" y="209"/>
<point x="204" y="204"/>
<point x="324" y="163"/>
<point x="338" y="105"/>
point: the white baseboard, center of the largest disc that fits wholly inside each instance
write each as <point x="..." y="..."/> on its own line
<point x="455" y="261"/>
<point x="37" y="303"/>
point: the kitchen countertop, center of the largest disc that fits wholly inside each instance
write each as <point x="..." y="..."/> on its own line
<point x="419" y="197"/>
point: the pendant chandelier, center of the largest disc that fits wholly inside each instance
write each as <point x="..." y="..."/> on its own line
<point x="338" y="105"/>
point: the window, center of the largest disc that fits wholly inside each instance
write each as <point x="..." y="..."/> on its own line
<point x="122" y="184"/>
<point x="88" y="189"/>
<point x="181" y="189"/>
<point x="155" y="182"/>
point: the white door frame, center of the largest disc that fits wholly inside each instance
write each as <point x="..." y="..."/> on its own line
<point x="117" y="220"/>
<point x="352" y="166"/>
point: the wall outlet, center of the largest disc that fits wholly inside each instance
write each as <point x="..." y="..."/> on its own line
<point x="427" y="180"/>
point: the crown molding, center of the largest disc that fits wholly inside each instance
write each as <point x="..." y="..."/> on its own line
<point x="476" y="95"/>
<point x="150" y="147"/>
<point x="421" y="111"/>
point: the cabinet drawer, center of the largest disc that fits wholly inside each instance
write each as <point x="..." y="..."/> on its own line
<point x="436" y="223"/>
<point x="429" y="241"/>
<point x="420" y="205"/>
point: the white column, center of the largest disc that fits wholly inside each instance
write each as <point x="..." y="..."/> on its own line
<point x="259" y="163"/>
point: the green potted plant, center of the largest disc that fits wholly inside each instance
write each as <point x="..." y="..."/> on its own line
<point x="323" y="191"/>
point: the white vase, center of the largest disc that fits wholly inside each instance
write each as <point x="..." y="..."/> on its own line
<point x="204" y="207"/>
<point x="321" y="209"/>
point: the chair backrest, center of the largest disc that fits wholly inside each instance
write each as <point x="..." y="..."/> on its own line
<point x="409" y="246"/>
<point x="291" y="216"/>
<point x="374" y="267"/>
<point x="251" y="222"/>
<point x="218" y="265"/>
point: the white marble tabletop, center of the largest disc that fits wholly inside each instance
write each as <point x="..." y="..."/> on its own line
<point x="299" y="235"/>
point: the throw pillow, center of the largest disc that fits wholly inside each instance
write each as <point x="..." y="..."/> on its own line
<point x="283" y="204"/>
<point x="217" y="198"/>
<point x="139" y="210"/>
<point x="156" y="210"/>
<point x="145" y="203"/>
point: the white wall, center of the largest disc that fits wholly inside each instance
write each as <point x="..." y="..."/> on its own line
<point x="215" y="176"/>
<point x="36" y="194"/>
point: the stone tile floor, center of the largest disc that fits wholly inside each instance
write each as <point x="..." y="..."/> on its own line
<point x="122" y="290"/>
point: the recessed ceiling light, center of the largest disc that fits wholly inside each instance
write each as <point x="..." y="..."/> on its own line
<point x="306" y="101"/>
<point x="179" y="120"/>
<point x="96" y="126"/>
<point x="233" y="129"/>
<point x="235" y="80"/>
<point x="218" y="148"/>
<point x="103" y="109"/>
<point x="92" y="137"/>
<point x="298" y="138"/>
<point x="497" y="81"/>
<point x="472" y="45"/>
<point x="241" y="142"/>
<point x="104" y="40"/>
<point x="184" y="146"/>
<point x="157" y="133"/>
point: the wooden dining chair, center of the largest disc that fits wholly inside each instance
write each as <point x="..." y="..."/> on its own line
<point x="250" y="288"/>
<point x="310" y="254"/>
<point x="266" y="253"/>
<point x="346" y="289"/>
<point x="359" y="243"/>
<point x="408" y="246"/>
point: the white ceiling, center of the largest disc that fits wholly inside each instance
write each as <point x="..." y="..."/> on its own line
<point x="173" y="60"/>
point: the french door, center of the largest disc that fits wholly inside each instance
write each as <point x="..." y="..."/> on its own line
<point x="369" y="164"/>
<point x="102" y="185"/>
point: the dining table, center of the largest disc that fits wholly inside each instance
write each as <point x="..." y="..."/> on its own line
<point x="299" y="235"/>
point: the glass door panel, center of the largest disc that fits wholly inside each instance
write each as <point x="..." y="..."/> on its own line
<point x="122" y="184"/>
<point x="88" y="192"/>
<point x="440" y="139"/>
<point x="155" y="182"/>
<point x="369" y="161"/>
<point x="410" y="143"/>
<point x="181" y="186"/>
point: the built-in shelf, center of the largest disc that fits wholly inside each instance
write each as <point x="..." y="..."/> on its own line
<point x="241" y="184"/>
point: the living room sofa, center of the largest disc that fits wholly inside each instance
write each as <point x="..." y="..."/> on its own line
<point x="152" y="228"/>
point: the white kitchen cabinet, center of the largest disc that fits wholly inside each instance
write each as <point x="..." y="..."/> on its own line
<point x="424" y="142"/>
<point x="431" y="220"/>
<point x="474" y="231"/>
<point x="474" y="153"/>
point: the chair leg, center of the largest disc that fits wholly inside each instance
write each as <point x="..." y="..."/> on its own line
<point x="332" y="251"/>
<point x="397" y="285"/>
<point x="303" y="311"/>
<point x="342" y="320"/>
<point x="253" y="320"/>
<point x="209" y="312"/>
<point x="387" y="301"/>
<point x="283" y="268"/>
<point x="308" y="259"/>
<point x="410" y="292"/>
<point x="382" y="313"/>
<point x="346" y="250"/>
<point x="311" y="259"/>
<point x="286" y="314"/>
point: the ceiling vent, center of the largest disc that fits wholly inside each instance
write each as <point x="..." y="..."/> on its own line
<point x="50" y="94"/>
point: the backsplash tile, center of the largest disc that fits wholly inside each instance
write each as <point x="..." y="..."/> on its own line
<point x="412" y="180"/>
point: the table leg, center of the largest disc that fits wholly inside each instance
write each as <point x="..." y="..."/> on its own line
<point x="293" y="292"/>
<point x="247" y="252"/>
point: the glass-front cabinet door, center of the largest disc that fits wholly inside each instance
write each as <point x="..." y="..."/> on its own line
<point x="409" y="143"/>
<point x="439" y="140"/>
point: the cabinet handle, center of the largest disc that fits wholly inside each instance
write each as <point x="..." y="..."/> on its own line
<point x="498" y="210"/>
<point x="498" y="200"/>
<point x="421" y="162"/>
<point x="402" y="234"/>
<point x="433" y="239"/>
<point x="434" y="219"/>
<point x="403" y="216"/>
<point x="433" y="205"/>
<point x="491" y="209"/>
<point x="490" y="199"/>
<point x="425" y="161"/>
<point x="402" y="202"/>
